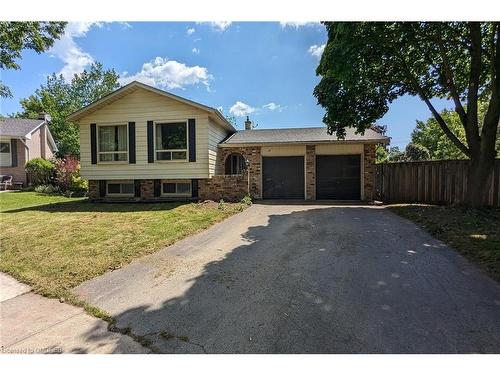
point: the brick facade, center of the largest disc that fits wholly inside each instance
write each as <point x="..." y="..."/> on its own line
<point x="147" y="189"/>
<point x="310" y="172"/>
<point x="235" y="187"/>
<point x="253" y="155"/>
<point x="94" y="189"/>
<point x="369" y="171"/>
<point x="230" y="188"/>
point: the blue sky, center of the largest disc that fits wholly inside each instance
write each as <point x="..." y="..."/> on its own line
<point x="263" y="69"/>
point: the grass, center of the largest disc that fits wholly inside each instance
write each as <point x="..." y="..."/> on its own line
<point x="475" y="233"/>
<point x="54" y="243"/>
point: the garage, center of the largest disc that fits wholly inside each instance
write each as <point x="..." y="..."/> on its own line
<point x="338" y="177"/>
<point x="283" y="177"/>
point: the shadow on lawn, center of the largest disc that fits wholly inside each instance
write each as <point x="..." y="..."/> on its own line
<point x="87" y="206"/>
<point x="319" y="280"/>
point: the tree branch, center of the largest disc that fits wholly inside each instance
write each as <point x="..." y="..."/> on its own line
<point x="435" y="113"/>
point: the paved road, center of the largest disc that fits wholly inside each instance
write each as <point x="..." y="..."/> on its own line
<point x="305" y="279"/>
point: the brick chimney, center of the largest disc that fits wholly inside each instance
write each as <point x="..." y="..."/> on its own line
<point x="248" y="124"/>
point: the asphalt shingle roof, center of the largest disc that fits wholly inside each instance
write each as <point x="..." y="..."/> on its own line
<point x="300" y="135"/>
<point x="17" y="127"/>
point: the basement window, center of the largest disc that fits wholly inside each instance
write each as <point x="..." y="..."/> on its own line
<point x="120" y="188"/>
<point x="176" y="188"/>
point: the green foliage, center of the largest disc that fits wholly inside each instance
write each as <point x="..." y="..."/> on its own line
<point x="60" y="98"/>
<point x="40" y="171"/>
<point x="416" y="152"/>
<point x="222" y="205"/>
<point x="381" y="154"/>
<point x="430" y="135"/>
<point x="18" y="36"/>
<point x="395" y="155"/>
<point x="246" y="200"/>
<point x="47" y="189"/>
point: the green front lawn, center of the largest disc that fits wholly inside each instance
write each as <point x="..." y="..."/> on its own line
<point x="54" y="243"/>
<point x="475" y="233"/>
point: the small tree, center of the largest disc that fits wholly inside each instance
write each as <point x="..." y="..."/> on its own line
<point x="416" y="152"/>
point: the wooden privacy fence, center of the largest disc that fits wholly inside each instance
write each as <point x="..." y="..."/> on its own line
<point x="434" y="182"/>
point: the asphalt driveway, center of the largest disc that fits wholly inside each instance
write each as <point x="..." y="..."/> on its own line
<point x="286" y="278"/>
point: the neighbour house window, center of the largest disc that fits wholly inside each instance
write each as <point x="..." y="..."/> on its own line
<point x="235" y="164"/>
<point x="176" y="188"/>
<point x="120" y="188"/>
<point x="5" y="155"/>
<point x="171" y="141"/>
<point x="113" y="143"/>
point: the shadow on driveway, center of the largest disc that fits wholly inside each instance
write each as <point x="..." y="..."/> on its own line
<point x="305" y="279"/>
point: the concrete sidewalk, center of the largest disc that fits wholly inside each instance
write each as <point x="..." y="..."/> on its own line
<point x="34" y="324"/>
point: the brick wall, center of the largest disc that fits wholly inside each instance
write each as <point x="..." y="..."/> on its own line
<point x="310" y="172"/>
<point x="147" y="189"/>
<point x="93" y="189"/>
<point x="369" y="171"/>
<point x="228" y="187"/>
<point x="252" y="154"/>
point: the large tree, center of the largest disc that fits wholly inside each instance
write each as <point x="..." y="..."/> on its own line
<point x="60" y="98"/>
<point x="18" y="36"/>
<point x="367" y="65"/>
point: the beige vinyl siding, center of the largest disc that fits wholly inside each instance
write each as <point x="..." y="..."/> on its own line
<point x="215" y="135"/>
<point x="292" y="150"/>
<point x="342" y="149"/>
<point x="141" y="106"/>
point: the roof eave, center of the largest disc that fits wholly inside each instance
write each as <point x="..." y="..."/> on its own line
<point x="249" y="144"/>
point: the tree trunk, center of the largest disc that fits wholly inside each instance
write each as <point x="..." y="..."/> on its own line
<point x="478" y="182"/>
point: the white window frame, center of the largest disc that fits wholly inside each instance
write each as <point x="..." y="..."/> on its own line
<point x="127" y="182"/>
<point x="189" y="182"/>
<point x="186" y="150"/>
<point x="112" y="152"/>
<point x="8" y="160"/>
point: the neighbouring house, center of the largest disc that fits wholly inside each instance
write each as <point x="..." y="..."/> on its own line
<point x="143" y="143"/>
<point x="22" y="140"/>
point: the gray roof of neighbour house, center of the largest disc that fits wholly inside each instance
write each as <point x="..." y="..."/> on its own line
<point x="301" y="135"/>
<point x="18" y="127"/>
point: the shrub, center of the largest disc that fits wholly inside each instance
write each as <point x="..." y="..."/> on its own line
<point x="222" y="204"/>
<point x="40" y="171"/>
<point x="47" y="189"/>
<point x="68" y="177"/>
<point x="246" y="200"/>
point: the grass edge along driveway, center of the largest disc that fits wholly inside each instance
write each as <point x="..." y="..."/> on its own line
<point x="54" y="243"/>
<point x="474" y="233"/>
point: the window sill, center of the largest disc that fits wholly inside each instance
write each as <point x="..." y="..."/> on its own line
<point x="172" y="161"/>
<point x="112" y="162"/>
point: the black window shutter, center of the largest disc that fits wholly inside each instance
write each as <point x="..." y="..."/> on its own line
<point x="194" y="188"/>
<point x="157" y="188"/>
<point x="102" y="188"/>
<point x="192" y="139"/>
<point x="137" y="188"/>
<point x="13" y="151"/>
<point x="93" y="143"/>
<point x="131" y="142"/>
<point x="151" y="144"/>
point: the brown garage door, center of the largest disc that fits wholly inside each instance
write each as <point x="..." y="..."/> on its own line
<point x="283" y="177"/>
<point x="338" y="177"/>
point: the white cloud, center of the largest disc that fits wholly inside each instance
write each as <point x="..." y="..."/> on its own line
<point x="220" y="108"/>
<point x="190" y="31"/>
<point x="170" y="74"/>
<point x="218" y="25"/>
<point x="196" y="51"/>
<point x="316" y="51"/>
<point x="74" y="58"/>
<point x="273" y="107"/>
<point x="297" y="24"/>
<point x="241" y="109"/>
